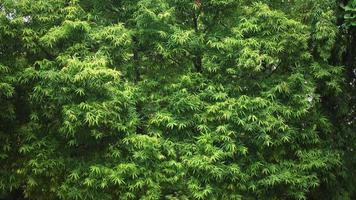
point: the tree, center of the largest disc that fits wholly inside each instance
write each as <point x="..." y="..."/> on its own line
<point x="174" y="99"/>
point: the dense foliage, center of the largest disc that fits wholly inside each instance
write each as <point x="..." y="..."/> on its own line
<point x="177" y="99"/>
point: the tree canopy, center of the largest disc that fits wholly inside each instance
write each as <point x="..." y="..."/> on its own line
<point x="177" y="99"/>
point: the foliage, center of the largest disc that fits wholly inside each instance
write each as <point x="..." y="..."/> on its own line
<point x="176" y="99"/>
<point x="350" y="13"/>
